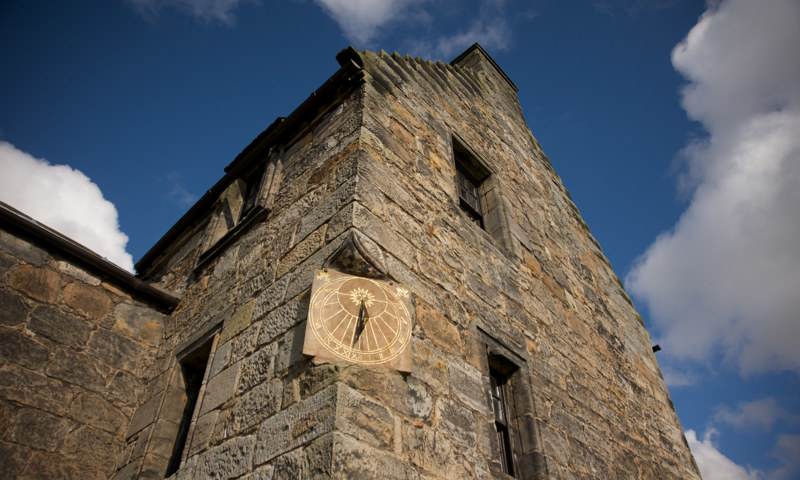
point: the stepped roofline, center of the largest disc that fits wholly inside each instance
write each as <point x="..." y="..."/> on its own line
<point x="475" y="54"/>
<point x="336" y="88"/>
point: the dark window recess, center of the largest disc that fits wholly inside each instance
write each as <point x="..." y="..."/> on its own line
<point x="469" y="196"/>
<point x="470" y="175"/>
<point x="501" y="420"/>
<point x="251" y="195"/>
<point x="193" y="369"/>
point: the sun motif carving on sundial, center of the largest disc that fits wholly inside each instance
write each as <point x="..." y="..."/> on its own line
<point x="359" y="295"/>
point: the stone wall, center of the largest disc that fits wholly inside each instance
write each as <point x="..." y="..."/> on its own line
<point x="262" y="404"/>
<point x="74" y="346"/>
<point x="549" y="296"/>
<point x="376" y="168"/>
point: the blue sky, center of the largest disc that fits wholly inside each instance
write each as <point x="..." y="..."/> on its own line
<point x="680" y="149"/>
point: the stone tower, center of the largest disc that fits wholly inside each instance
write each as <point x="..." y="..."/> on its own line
<point x="515" y="352"/>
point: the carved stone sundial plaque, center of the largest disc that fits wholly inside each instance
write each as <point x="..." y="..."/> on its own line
<point x="359" y="320"/>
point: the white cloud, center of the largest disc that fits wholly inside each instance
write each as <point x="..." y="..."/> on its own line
<point x="360" y="19"/>
<point x="678" y="378"/>
<point x="63" y="199"/>
<point x="178" y="192"/>
<point x="363" y="20"/>
<point x="712" y="463"/>
<point x="204" y="10"/>
<point x="760" y="414"/>
<point x="725" y="279"/>
<point x="491" y="32"/>
<point x="632" y="7"/>
<point x="787" y="451"/>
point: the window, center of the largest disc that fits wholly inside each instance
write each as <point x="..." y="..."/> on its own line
<point x="516" y="446"/>
<point x="480" y="196"/>
<point x="243" y="203"/>
<point x="470" y="174"/>
<point x="501" y="420"/>
<point x="251" y="191"/>
<point x="502" y="380"/>
<point x="469" y="196"/>
<point x="193" y="370"/>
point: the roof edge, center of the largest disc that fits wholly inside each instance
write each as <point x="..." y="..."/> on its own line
<point x="77" y="252"/>
<point x="345" y="76"/>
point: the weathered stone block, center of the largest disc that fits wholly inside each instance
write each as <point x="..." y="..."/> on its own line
<point x="161" y="441"/>
<point x="203" y="429"/>
<point x="17" y="347"/>
<point x="420" y="400"/>
<point x="256" y="405"/>
<point x="301" y="251"/>
<point x="124" y="389"/>
<point x="289" y="466"/>
<point x="296" y="425"/>
<point x="319" y="458"/>
<point x="256" y="284"/>
<point x="128" y="472"/>
<point x="257" y="368"/>
<point x="46" y="465"/>
<point x="39" y="429"/>
<point x="38" y="283"/>
<point x="78" y="273"/>
<point x="429" y="366"/>
<point x="32" y="389"/>
<point x="302" y="276"/>
<point x="264" y="472"/>
<point x="239" y="321"/>
<point x="144" y="415"/>
<point x="469" y="386"/>
<point x="434" y="454"/>
<point x="94" y="447"/>
<point x="12" y="460"/>
<point x="555" y="444"/>
<point x="90" y="302"/>
<point x="387" y="387"/>
<point x="456" y="421"/>
<point x="282" y="319"/>
<point x="245" y="343"/>
<point x="340" y="222"/>
<point x="153" y="468"/>
<point x="226" y="263"/>
<point x="290" y="348"/>
<point x="221" y="388"/>
<point x="115" y="350"/>
<point x="329" y="206"/>
<point x="352" y="459"/>
<point x="220" y="360"/>
<point x="95" y="411"/>
<point x="363" y="418"/>
<point x="14" y="310"/>
<point x="229" y="460"/>
<point x="22" y="249"/>
<point x="139" y="322"/>
<point x="80" y="369"/>
<point x="270" y="298"/>
<point x="60" y="327"/>
<point x="6" y="262"/>
<point x="436" y="326"/>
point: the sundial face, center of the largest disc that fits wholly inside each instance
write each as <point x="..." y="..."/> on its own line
<point x="359" y="320"/>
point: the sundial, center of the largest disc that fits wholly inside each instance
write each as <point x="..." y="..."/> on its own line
<point x="360" y="320"/>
